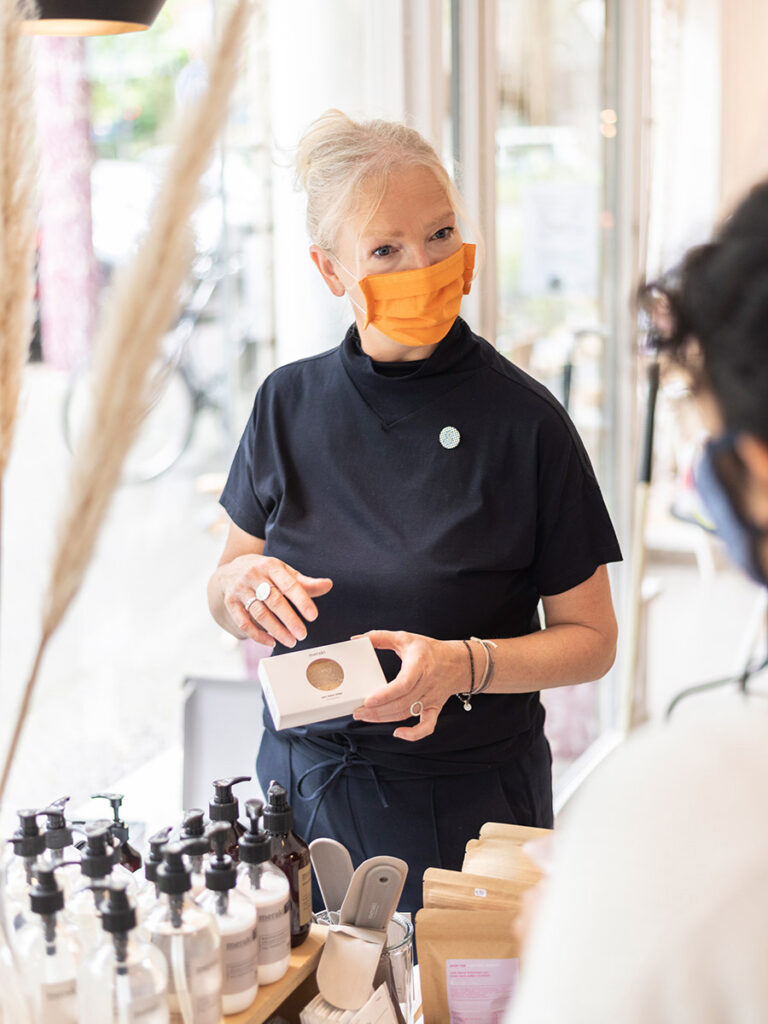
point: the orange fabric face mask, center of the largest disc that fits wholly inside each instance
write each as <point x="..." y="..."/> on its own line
<point x="419" y="307"/>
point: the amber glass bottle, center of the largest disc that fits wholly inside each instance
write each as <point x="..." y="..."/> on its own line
<point x="291" y="854"/>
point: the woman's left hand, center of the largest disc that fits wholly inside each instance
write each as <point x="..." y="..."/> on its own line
<point x="431" y="672"/>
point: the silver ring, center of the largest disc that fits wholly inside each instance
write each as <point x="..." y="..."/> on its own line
<point x="263" y="591"/>
<point x="249" y="602"/>
<point x="413" y="711"/>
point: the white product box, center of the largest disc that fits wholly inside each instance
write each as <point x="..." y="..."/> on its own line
<point x="318" y="684"/>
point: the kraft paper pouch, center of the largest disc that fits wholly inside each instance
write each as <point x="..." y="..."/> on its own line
<point x="501" y="858"/>
<point x="468" y="964"/>
<point x="456" y="890"/>
<point x="517" y="834"/>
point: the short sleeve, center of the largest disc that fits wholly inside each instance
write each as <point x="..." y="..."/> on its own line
<point x="574" y="533"/>
<point x="244" y="494"/>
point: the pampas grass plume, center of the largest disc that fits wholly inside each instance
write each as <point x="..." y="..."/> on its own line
<point x="18" y="173"/>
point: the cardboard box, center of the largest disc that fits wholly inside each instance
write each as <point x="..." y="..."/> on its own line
<point x="321" y="683"/>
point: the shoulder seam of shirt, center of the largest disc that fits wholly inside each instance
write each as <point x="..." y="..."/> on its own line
<point x="300" y="362"/>
<point x="532" y="387"/>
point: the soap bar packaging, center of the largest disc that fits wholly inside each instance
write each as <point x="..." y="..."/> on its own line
<point x="321" y="683"/>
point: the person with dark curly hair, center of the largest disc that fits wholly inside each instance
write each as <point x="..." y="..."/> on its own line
<point x="656" y="910"/>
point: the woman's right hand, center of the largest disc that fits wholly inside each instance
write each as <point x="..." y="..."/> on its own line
<point x="276" y="614"/>
<point x="287" y="605"/>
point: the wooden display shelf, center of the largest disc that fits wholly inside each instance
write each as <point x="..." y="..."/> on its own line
<point x="299" y="976"/>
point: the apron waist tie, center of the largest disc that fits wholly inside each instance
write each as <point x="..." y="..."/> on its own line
<point x="350" y="758"/>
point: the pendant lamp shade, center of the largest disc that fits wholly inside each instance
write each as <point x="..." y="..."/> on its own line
<point x="92" y="17"/>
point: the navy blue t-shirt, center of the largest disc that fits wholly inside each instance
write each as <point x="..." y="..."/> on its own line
<point x="342" y="472"/>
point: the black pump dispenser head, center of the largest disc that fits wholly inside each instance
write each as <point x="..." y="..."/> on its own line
<point x="196" y="842"/>
<point x="156" y="844"/>
<point x="117" y="827"/>
<point x="98" y="856"/>
<point x="45" y="896"/>
<point x="193" y="824"/>
<point x="117" y="914"/>
<point x="58" y="834"/>
<point x="28" y="840"/>
<point x="278" y="814"/>
<point x="173" y="877"/>
<point x="255" y="846"/>
<point x="221" y="873"/>
<point x="224" y="806"/>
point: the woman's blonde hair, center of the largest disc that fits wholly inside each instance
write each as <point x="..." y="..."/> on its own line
<point x="344" y="166"/>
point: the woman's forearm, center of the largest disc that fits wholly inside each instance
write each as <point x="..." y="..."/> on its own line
<point x="560" y="655"/>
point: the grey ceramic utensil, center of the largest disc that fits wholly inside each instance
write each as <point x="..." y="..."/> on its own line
<point x="333" y="869"/>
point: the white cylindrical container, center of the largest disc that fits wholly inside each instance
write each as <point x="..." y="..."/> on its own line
<point x="235" y="917"/>
<point x="267" y="888"/>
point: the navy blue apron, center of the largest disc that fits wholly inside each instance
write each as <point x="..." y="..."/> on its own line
<point x="424" y="817"/>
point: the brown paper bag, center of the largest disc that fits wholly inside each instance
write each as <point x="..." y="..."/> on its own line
<point x="456" y="890"/>
<point x="468" y="963"/>
<point x="501" y="858"/>
<point x="517" y="834"/>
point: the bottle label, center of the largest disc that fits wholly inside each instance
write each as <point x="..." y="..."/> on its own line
<point x="239" y="960"/>
<point x="274" y="932"/>
<point x="305" y="895"/>
<point x="57" y="1002"/>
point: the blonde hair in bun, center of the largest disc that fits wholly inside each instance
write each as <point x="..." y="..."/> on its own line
<point x="344" y="166"/>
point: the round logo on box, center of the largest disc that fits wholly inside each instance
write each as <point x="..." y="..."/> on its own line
<point x="325" y="674"/>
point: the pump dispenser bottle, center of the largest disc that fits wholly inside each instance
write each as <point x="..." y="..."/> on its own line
<point x="149" y="895"/>
<point x="98" y="870"/>
<point x="24" y="847"/>
<point x="291" y="854"/>
<point x="188" y="938"/>
<point x="129" y="857"/>
<point x="196" y="845"/>
<point x="267" y="887"/>
<point x="235" y="918"/>
<point x="59" y="846"/>
<point x="124" y="980"/>
<point x="224" y="807"/>
<point x="47" y="952"/>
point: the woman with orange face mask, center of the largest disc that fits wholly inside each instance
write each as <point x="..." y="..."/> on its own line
<point x="414" y="486"/>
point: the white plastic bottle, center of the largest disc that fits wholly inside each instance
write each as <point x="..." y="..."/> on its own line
<point x="236" y="919"/>
<point x="98" y="870"/>
<point x="47" y="953"/>
<point x="124" y="980"/>
<point x="187" y="937"/>
<point x="267" y="887"/>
